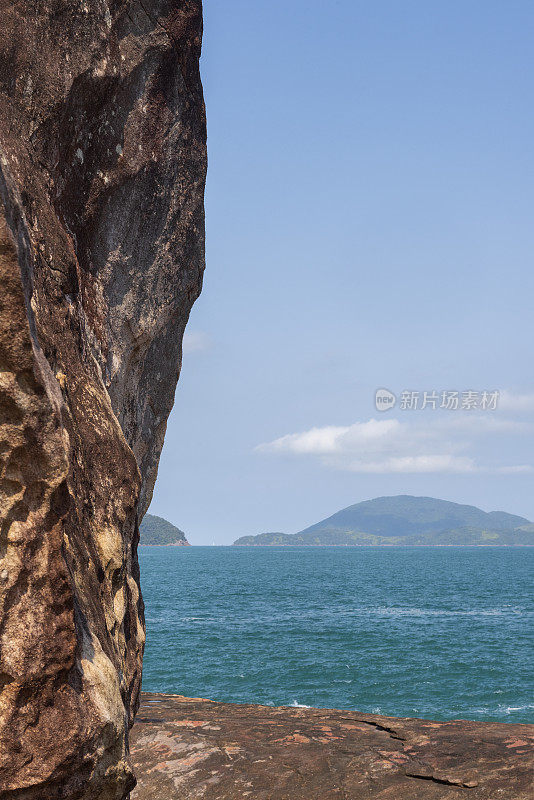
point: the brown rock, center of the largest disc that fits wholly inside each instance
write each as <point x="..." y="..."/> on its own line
<point x="185" y="749"/>
<point x="102" y="165"/>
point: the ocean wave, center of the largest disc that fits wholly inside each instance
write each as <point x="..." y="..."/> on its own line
<point x="502" y="709"/>
<point x="442" y="612"/>
<point x="512" y="709"/>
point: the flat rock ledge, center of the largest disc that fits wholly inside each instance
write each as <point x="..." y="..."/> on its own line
<point x="186" y="748"/>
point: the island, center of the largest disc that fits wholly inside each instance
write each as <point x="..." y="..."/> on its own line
<point x="409" y="521"/>
<point x="160" y="532"/>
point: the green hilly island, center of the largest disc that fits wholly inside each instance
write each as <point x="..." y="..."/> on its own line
<point x="158" y="531"/>
<point x="406" y="520"/>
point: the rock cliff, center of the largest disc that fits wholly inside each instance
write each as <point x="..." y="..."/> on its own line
<point x="102" y="168"/>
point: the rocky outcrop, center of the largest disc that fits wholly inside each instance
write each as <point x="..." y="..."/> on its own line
<point x="186" y="749"/>
<point x="102" y="166"/>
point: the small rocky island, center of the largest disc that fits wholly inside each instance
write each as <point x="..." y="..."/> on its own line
<point x="403" y="520"/>
<point x="156" y="531"/>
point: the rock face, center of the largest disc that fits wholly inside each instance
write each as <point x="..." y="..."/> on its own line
<point x="102" y="168"/>
<point x="185" y="749"/>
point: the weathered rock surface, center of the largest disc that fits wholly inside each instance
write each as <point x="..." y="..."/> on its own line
<point x="102" y="166"/>
<point x="185" y="749"/>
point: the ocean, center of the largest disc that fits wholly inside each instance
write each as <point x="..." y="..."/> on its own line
<point x="439" y="633"/>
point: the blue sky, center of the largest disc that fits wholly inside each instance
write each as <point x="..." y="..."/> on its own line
<point x="369" y="224"/>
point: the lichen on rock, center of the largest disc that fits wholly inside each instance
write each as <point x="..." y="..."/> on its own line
<point x="102" y="169"/>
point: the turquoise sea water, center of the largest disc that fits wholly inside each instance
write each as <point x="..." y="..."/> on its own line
<point x="442" y="633"/>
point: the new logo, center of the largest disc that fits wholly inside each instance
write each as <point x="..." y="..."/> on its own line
<point x="384" y="399"/>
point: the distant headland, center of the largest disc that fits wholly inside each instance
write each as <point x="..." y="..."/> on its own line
<point x="158" y="531"/>
<point x="409" y="521"/>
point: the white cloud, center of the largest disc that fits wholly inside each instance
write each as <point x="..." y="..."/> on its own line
<point x="483" y="424"/>
<point x="417" y="445"/>
<point x="331" y="439"/>
<point x="425" y="463"/>
<point x="195" y="342"/>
